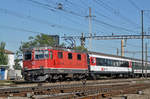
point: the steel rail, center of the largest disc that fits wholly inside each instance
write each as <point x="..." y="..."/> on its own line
<point x="56" y="89"/>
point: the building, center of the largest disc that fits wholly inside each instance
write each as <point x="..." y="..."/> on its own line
<point x="11" y="58"/>
<point x="4" y="68"/>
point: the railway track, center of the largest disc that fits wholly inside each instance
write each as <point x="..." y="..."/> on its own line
<point x="76" y="90"/>
<point x="101" y="81"/>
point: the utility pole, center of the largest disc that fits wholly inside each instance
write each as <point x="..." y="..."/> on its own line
<point x="142" y="27"/>
<point x="90" y="29"/>
<point x="122" y="48"/>
<point x="146" y="58"/>
<point x="117" y="52"/>
<point x="82" y="39"/>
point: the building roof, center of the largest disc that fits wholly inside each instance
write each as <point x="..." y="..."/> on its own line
<point x="8" y="52"/>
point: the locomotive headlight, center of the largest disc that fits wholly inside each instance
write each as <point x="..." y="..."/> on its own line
<point x="33" y="63"/>
<point x="25" y="68"/>
<point x="41" y="67"/>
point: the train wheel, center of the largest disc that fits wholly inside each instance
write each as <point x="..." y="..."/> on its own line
<point x="49" y="79"/>
<point x="93" y="76"/>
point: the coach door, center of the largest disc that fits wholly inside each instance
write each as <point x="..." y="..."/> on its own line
<point x="92" y="61"/>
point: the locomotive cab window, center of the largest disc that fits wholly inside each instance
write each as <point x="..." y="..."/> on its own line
<point x="28" y="55"/>
<point x="78" y="56"/>
<point x="41" y="54"/>
<point x="69" y="55"/>
<point x="60" y="55"/>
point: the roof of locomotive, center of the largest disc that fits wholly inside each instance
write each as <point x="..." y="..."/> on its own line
<point x="78" y="51"/>
<point x="54" y="48"/>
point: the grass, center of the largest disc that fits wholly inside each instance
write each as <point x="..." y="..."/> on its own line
<point x="6" y="82"/>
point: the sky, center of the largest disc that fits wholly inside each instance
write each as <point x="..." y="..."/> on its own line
<point x="20" y="19"/>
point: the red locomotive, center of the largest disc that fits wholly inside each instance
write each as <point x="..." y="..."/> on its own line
<point x="50" y="63"/>
<point x="47" y="63"/>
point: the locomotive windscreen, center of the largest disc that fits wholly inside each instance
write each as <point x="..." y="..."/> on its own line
<point x="27" y="55"/>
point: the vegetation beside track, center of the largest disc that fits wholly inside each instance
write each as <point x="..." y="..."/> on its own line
<point x="6" y="82"/>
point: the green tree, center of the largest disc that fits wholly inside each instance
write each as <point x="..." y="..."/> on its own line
<point x="3" y="56"/>
<point x="39" y="40"/>
<point x="17" y="65"/>
<point x="81" y="48"/>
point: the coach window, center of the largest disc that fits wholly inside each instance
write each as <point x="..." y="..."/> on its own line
<point x="105" y="62"/>
<point x="136" y="64"/>
<point x="113" y="62"/>
<point x="78" y="56"/>
<point x="140" y="64"/>
<point x="108" y="62"/>
<point x="116" y="63"/>
<point x="121" y="63"/>
<point x="102" y="61"/>
<point x="60" y="55"/>
<point x="69" y="55"/>
<point x="133" y="64"/>
<point x="99" y="61"/>
<point x="127" y="64"/>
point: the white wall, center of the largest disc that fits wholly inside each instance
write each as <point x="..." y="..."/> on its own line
<point x="6" y="73"/>
<point x="11" y="62"/>
<point x="18" y="73"/>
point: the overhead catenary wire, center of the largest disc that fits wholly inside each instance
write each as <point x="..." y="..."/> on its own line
<point x="45" y="6"/>
<point x="106" y="17"/>
<point x="113" y="26"/>
<point x="95" y="26"/>
<point x="116" y="12"/>
<point x="31" y="18"/>
<point x="98" y="16"/>
<point x="56" y="8"/>
<point x="76" y="14"/>
<point x="136" y="6"/>
<point x="19" y="29"/>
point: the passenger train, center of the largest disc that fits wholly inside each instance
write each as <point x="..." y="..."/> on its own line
<point x="52" y="63"/>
